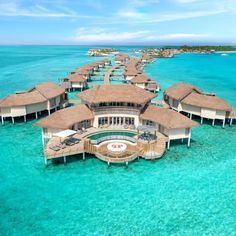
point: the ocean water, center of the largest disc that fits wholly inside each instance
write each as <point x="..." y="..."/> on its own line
<point x="190" y="191"/>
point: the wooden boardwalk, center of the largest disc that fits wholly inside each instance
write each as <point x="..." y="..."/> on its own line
<point x="109" y="73"/>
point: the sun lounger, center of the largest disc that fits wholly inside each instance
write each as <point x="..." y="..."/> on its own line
<point x="74" y="140"/>
<point x="68" y="142"/>
<point x="54" y="148"/>
<point x="61" y="145"/>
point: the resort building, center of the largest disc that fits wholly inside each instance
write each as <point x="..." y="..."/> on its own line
<point x="142" y="81"/>
<point x="132" y="69"/>
<point x="45" y="96"/>
<point x="123" y="123"/>
<point x="75" y="81"/>
<point x="168" y="122"/>
<point x="78" y="78"/>
<point x="147" y="58"/>
<point x="187" y="98"/>
<point x="130" y="74"/>
<point x="121" y="58"/>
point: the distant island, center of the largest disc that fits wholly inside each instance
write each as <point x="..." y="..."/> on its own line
<point x="168" y="52"/>
<point x="101" y="52"/>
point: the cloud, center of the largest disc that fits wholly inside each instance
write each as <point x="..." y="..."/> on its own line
<point x="184" y="15"/>
<point x="130" y="14"/>
<point x="138" y="14"/>
<point x="176" y="36"/>
<point x="186" y="1"/>
<point x="100" y="35"/>
<point x="13" y="9"/>
<point x="135" y="8"/>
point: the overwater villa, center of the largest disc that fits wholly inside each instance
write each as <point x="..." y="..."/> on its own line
<point x="116" y="123"/>
<point x="75" y="81"/>
<point x="145" y="58"/>
<point x="121" y="58"/>
<point x="142" y="81"/>
<point x="45" y="96"/>
<point x="187" y="98"/>
<point x="78" y="79"/>
<point x="132" y="69"/>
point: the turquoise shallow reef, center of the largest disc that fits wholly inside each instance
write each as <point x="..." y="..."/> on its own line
<point x="187" y="192"/>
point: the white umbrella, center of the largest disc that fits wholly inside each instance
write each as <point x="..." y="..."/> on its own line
<point x="65" y="133"/>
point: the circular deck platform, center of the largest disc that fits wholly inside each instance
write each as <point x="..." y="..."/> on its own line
<point x="117" y="152"/>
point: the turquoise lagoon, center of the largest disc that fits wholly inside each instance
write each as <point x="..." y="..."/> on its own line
<point x="187" y="192"/>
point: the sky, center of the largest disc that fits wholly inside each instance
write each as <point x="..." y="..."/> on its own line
<point x="118" y="22"/>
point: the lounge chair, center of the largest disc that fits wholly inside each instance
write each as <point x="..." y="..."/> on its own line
<point x="74" y="140"/>
<point x="61" y="145"/>
<point x="54" y="148"/>
<point x="68" y="142"/>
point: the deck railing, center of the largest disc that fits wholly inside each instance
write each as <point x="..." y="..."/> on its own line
<point x="105" y="157"/>
<point x="116" y="110"/>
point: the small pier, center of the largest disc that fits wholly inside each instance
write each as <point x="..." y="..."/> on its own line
<point x="109" y="73"/>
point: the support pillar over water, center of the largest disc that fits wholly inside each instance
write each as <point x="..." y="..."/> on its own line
<point x="223" y="125"/>
<point x="189" y="139"/>
<point x="231" y="121"/>
<point x="201" y="120"/>
<point x="2" y="120"/>
<point x="64" y="159"/>
<point x="83" y="155"/>
<point x="24" y="118"/>
<point x="45" y="161"/>
<point x="13" y="121"/>
<point x="191" y="116"/>
<point x="36" y="115"/>
<point x="213" y="122"/>
<point x="168" y="144"/>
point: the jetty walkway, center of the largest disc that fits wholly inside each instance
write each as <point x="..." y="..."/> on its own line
<point x="109" y="73"/>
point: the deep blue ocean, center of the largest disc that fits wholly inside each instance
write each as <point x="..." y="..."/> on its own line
<point x="190" y="191"/>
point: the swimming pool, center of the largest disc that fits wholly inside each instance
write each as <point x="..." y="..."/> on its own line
<point x="110" y="133"/>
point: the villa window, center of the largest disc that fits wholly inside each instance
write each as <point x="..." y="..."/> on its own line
<point x="175" y="103"/>
<point x="148" y="122"/>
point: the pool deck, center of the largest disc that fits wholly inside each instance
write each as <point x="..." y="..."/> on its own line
<point x="85" y="146"/>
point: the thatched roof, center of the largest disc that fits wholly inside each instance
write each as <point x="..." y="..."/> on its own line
<point x="146" y="57"/>
<point x="116" y="93"/>
<point x="121" y="57"/>
<point x="66" y="118"/>
<point x="75" y="78"/>
<point x="170" y="119"/>
<point x="140" y="78"/>
<point x="131" y="72"/>
<point x="22" y="99"/>
<point x="206" y="101"/>
<point x="180" y="90"/>
<point x="49" y="89"/>
<point x="82" y="71"/>
<point x="38" y="94"/>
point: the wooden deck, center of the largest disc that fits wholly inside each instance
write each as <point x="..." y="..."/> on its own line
<point x="146" y="150"/>
<point x="109" y="73"/>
